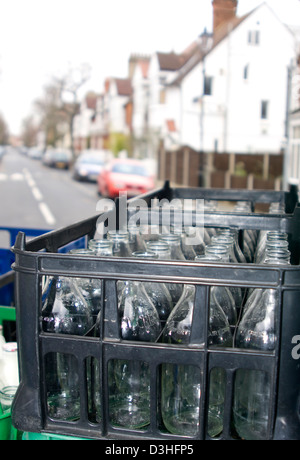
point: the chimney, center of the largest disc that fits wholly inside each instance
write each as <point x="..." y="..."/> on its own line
<point x="223" y="11"/>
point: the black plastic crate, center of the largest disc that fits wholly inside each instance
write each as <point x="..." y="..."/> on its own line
<point x="29" y="411"/>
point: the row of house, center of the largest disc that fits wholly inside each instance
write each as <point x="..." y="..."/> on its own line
<point x="232" y="91"/>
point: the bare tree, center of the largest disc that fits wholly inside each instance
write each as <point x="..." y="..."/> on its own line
<point x="68" y="87"/>
<point x="4" y="132"/>
<point x="60" y="103"/>
<point x="29" y="131"/>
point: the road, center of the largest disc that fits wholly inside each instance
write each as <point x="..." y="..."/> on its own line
<point x="36" y="196"/>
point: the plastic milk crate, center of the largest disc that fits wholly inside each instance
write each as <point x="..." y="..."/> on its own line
<point x="32" y="264"/>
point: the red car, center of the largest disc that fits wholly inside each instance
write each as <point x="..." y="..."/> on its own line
<point x="124" y="175"/>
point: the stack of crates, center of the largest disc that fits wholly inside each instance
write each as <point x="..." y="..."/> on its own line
<point x="40" y="257"/>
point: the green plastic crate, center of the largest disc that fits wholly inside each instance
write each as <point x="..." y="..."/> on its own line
<point x="49" y="437"/>
<point x="7" y="314"/>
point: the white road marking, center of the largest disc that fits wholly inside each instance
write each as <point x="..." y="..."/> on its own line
<point x="48" y="216"/>
<point x="44" y="208"/>
<point x="37" y="194"/>
<point x="17" y="176"/>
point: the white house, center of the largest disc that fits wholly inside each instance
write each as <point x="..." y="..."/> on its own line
<point x="292" y="163"/>
<point x="116" y="96"/>
<point x="232" y="96"/>
<point x="82" y="122"/>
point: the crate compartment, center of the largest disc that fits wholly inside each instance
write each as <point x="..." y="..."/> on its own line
<point x="30" y="411"/>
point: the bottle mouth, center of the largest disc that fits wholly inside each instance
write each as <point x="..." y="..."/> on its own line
<point x="118" y="235"/>
<point x="223" y="239"/>
<point x="217" y="249"/>
<point x="273" y="235"/>
<point x="100" y="244"/>
<point x="170" y="238"/>
<point x="158" y="246"/>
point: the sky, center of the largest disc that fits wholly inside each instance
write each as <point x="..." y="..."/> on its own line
<point x="40" y="39"/>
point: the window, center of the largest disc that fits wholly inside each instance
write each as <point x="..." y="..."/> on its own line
<point x="264" y="110"/>
<point x="296" y="132"/>
<point x="162" y="96"/>
<point x="246" y="72"/>
<point x="208" y="86"/>
<point x="253" y="37"/>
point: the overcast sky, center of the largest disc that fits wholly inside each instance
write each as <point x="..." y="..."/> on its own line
<point x="41" y="38"/>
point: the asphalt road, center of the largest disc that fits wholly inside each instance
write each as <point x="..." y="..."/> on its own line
<point x="35" y="196"/>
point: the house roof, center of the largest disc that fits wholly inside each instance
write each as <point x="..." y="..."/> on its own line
<point x="91" y="101"/>
<point x="124" y="87"/>
<point x="174" y="61"/>
<point x="219" y="35"/>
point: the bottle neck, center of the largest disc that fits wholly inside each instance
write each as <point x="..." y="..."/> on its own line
<point x="277" y="244"/>
<point x="277" y="257"/>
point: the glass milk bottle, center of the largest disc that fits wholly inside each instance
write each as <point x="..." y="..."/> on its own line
<point x="129" y="379"/>
<point x="256" y="331"/>
<point x="181" y="384"/>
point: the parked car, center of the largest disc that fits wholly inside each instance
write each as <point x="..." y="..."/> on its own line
<point x="56" y="158"/>
<point x="35" y="153"/>
<point x="88" y="166"/>
<point x="124" y="175"/>
<point x="2" y="151"/>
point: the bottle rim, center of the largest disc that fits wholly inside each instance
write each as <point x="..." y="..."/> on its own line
<point x="170" y="238"/>
<point x="217" y="248"/>
<point x="158" y="246"/>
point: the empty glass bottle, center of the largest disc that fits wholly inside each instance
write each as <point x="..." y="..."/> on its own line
<point x="273" y="240"/>
<point x="120" y="248"/>
<point x="258" y="330"/>
<point x="222" y="251"/>
<point x="222" y="293"/>
<point x="275" y="208"/>
<point x="162" y="249"/>
<point x="186" y="233"/>
<point x="272" y="256"/>
<point x="136" y="241"/>
<point x="157" y="292"/>
<point x="229" y="238"/>
<point x="120" y="240"/>
<point x="65" y="311"/>
<point x="96" y="378"/>
<point x="90" y="288"/>
<point x="181" y="384"/>
<point x="173" y="240"/>
<point x="129" y="380"/>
